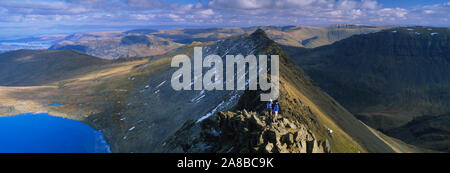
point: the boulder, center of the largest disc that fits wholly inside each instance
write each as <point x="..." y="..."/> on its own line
<point x="288" y="139"/>
<point x="269" y="147"/>
<point x="270" y="136"/>
<point x="256" y="122"/>
<point x="281" y="148"/>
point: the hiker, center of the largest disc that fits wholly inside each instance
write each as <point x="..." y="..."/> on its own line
<point x="269" y="107"/>
<point x="276" y="108"/>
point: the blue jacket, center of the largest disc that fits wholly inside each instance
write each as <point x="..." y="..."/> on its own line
<point x="269" y="105"/>
<point x="276" y="108"/>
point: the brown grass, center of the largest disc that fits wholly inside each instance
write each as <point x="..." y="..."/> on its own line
<point x="77" y="94"/>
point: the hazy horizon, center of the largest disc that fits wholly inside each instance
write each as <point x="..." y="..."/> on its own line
<point x="48" y="17"/>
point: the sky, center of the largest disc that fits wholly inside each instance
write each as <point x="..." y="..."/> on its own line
<point x="37" y="17"/>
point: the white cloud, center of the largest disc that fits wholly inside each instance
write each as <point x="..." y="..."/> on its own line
<point x="347" y="4"/>
<point x="428" y="11"/>
<point x="369" y="4"/>
<point x="143" y="16"/>
<point x="267" y="4"/>
<point x="42" y="8"/>
<point x="143" y="4"/>
<point x="175" y="18"/>
<point x="392" y="12"/>
<point x="207" y="12"/>
<point x="239" y="4"/>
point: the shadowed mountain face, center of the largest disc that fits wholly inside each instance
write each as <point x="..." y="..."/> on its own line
<point x="32" y="67"/>
<point x="148" y="42"/>
<point x="386" y="78"/>
<point x="141" y="31"/>
<point x="427" y="131"/>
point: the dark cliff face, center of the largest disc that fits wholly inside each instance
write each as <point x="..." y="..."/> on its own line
<point x="388" y="77"/>
<point x="391" y="68"/>
<point x="135" y="39"/>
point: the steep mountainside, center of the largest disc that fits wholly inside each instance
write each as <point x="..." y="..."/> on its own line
<point x="148" y="42"/>
<point x="386" y="78"/>
<point x="32" y="67"/>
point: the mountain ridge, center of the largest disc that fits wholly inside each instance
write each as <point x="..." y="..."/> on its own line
<point x="106" y="45"/>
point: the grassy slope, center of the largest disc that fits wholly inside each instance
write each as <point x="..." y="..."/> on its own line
<point x="31" y="67"/>
<point x="53" y="82"/>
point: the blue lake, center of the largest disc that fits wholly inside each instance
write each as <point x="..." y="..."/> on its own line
<point x="42" y="133"/>
<point x="55" y="105"/>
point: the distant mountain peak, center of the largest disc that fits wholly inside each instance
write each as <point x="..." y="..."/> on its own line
<point x="259" y="33"/>
<point x="261" y="38"/>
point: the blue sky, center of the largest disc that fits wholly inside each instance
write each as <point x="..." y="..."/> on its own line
<point x="28" y="17"/>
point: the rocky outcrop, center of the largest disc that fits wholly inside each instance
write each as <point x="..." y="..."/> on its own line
<point x="248" y="132"/>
